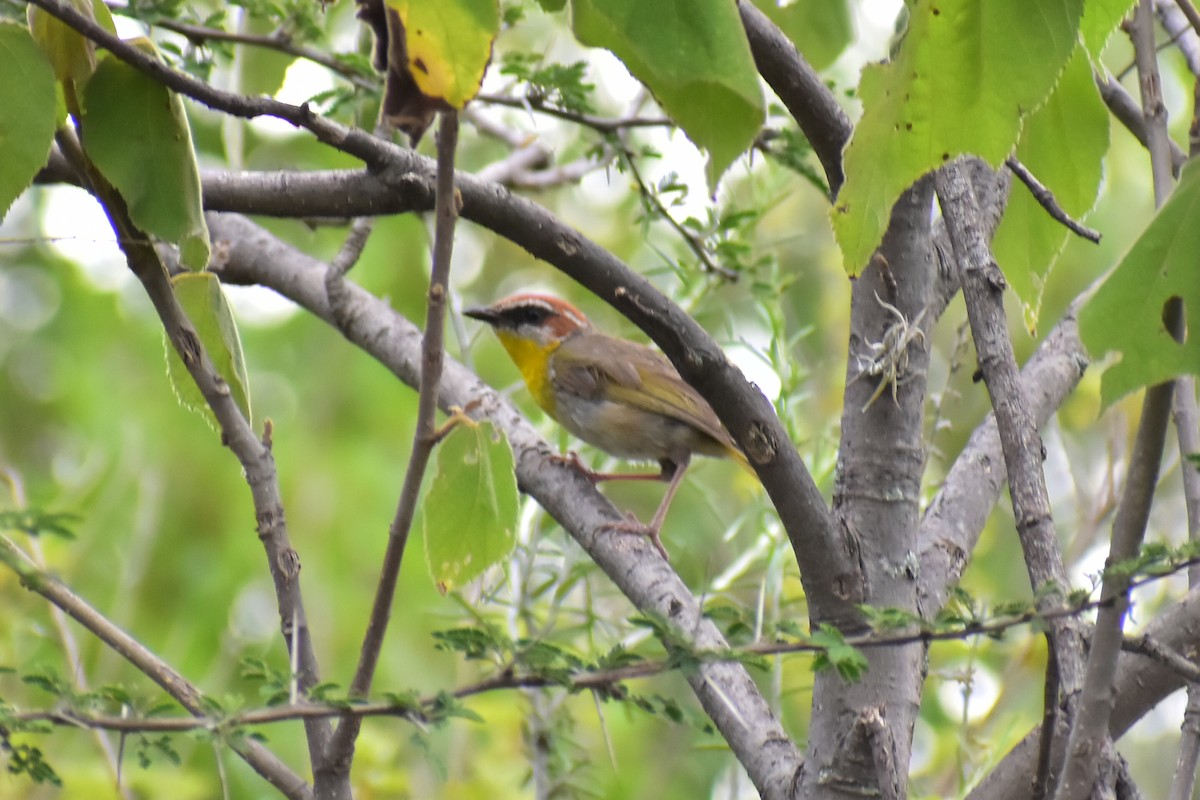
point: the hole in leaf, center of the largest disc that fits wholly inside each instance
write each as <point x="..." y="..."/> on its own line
<point x="1174" y="319"/>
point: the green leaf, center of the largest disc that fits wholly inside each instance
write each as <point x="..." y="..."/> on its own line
<point x="136" y="132"/>
<point x="846" y="659"/>
<point x="694" y="57"/>
<point x="820" y="30"/>
<point x="469" y="515"/>
<point x="204" y="302"/>
<point x="1063" y="145"/>
<point x="26" y="112"/>
<point x="966" y="74"/>
<point x="1126" y="313"/>
<point x="449" y="44"/>
<point x="35" y="522"/>
<point x="1100" y="19"/>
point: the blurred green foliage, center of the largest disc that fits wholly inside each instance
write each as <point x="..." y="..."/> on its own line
<point x="165" y="542"/>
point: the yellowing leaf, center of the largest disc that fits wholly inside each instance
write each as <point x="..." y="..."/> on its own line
<point x="469" y="514"/>
<point x="1126" y="313"/>
<point x="448" y="45"/>
<point x="71" y="54"/>
<point x="136" y="132"/>
<point x="204" y="302"/>
<point x="26" y="111"/>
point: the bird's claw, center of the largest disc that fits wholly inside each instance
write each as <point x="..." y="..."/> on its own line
<point x="633" y="525"/>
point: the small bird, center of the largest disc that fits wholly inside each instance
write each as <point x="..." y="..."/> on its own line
<point x="618" y="395"/>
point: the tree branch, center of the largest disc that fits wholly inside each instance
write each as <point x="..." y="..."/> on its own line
<point x="341" y="748"/>
<point x="725" y="690"/>
<point x="802" y="91"/>
<point x="826" y="564"/>
<point x="983" y="286"/>
<point x="1129" y="527"/>
<point x="254" y="455"/>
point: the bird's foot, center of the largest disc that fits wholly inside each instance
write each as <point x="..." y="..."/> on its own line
<point x="632" y="524"/>
<point x="571" y="459"/>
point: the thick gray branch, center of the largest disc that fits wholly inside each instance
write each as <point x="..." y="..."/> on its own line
<point x="725" y="690"/>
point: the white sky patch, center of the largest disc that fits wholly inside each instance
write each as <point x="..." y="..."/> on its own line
<point x="756" y="370"/>
<point x="75" y="226"/>
<point x="302" y="80"/>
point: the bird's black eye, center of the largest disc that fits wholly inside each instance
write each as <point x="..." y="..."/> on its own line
<point x="529" y="315"/>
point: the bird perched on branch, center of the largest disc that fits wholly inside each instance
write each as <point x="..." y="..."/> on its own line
<point x="618" y="395"/>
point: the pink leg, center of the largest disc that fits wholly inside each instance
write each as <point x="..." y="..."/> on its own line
<point x="656" y="522"/>
<point x="572" y="459"/>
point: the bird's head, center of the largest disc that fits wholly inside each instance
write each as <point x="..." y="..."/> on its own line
<point x="539" y="319"/>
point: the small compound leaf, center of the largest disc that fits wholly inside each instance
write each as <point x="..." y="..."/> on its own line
<point x="469" y="514"/>
<point x="204" y="302"/>
<point x="965" y="76"/>
<point x="693" y="55"/>
<point x="1063" y="144"/>
<point x="136" y="132"/>
<point x="1126" y="313"/>
<point x="27" y="112"/>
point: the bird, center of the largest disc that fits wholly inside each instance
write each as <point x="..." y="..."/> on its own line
<point x="618" y="395"/>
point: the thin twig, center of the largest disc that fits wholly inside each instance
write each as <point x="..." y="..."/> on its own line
<point x="254" y="454"/>
<point x="1048" y="202"/>
<point x="1190" y="12"/>
<point x="1090" y="726"/>
<point x="1041" y="778"/>
<point x="1126" y="110"/>
<point x="694" y="243"/>
<point x="262" y="760"/>
<point x="1169" y="657"/>
<point x="424" y="439"/>
<point x="597" y="123"/>
<point x="983" y="285"/>
<point x="278" y="41"/>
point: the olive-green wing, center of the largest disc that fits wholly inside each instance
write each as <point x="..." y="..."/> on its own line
<point x="625" y="372"/>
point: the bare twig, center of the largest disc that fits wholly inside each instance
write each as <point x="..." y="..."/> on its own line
<point x="1047" y="201"/>
<point x="694" y="242"/>
<point x="983" y="285"/>
<point x="1190" y="12"/>
<point x="279" y="41"/>
<point x="341" y="748"/>
<point x="597" y="123"/>
<point x="1126" y="109"/>
<point x="1169" y="657"/>
<point x="254" y="454"/>
<point x="801" y="89"/>
<point x="1050" y="719"/>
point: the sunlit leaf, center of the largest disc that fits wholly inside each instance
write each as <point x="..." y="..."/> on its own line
<point x="1126" y="313"/>
<point x="1100" y="19"/>
<point x="151" y="162"/>
<point x="1063" y="144"/>
<point x="204" y="302"/>
<point x="71" y="54"/>
<point x="694" y="57"/>
<point x="469" y="514"/>
<point x="965" y="75"/>
<point x="26" y="112"/>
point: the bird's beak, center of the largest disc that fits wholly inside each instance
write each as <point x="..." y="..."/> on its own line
<point x="482" y="313"/>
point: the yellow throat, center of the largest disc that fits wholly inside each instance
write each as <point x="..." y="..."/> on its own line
<point x="533" y="359"/>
